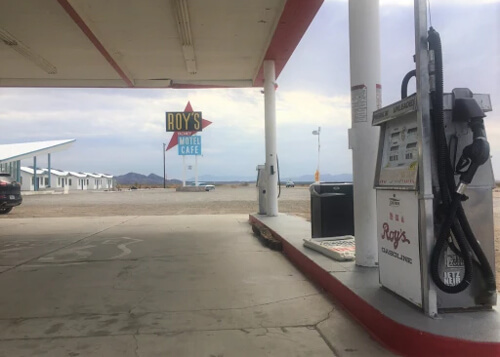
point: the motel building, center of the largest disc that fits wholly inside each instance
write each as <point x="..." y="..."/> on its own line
<point x="63" y="179"/>
<point x="30" y="183"/>
<point x="93" y="181"/>
<point x="78" y="181"/>
<point x="107" y="181"/>
<point x="98" y="181"/>
<point x="58" y="178"/>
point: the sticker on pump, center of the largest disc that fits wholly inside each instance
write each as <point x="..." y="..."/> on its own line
<point x="451" y="278"/>
<point x="453" y="260"/>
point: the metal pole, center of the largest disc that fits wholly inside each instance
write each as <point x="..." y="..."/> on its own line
<point x="426" y="219"/>
<point x="50" y="178"/>
<point x="183" y="170"/>
<point x="270" y="131"/>
<point x="196" y="170"/>
<point x="35" y="186"/>
<point x="164" y="172"/>
<point x="319" y="146"/>
<point x="18" y="171"/>
<point x="365" y="98"/>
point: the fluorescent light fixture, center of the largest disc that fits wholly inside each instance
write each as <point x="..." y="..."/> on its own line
<point x="181" y="14"/>
<point x="27" y="52"/>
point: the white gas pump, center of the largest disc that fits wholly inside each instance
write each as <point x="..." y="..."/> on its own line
<point x="262" y="187"/>
<point x="448" y="264"/>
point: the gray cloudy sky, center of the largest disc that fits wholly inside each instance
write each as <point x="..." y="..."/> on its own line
<point x="119" y="131"/>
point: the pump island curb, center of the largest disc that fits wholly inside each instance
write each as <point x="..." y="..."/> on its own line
<point x="390" y="320"/>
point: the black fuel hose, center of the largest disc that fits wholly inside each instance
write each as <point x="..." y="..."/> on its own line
<point x="444" y="167"/>
<point x="442" y="241"/>
<point x="404" y="83"/>
<point x="456" y="219"/>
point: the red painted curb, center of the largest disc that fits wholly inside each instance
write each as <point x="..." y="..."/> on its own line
<point x="394" y="336"/>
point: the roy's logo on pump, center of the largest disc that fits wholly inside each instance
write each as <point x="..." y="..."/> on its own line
<point x="183" y="121"/>
<point x="395" y="236"/>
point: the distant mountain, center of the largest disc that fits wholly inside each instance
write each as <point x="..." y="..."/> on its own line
<point x="229" y="178"/>
<point x="303" y="178"/>
<point x="132" y="178"/>
<point x="324" y="178"/>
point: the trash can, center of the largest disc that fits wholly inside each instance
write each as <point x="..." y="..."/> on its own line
<point x="332" y="210"/>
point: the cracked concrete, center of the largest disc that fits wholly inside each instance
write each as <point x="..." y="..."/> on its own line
<point x="187" y="286"/>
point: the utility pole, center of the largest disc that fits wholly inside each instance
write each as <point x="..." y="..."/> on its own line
<point x="316" y="174"/>
<point x="164" y="172"/>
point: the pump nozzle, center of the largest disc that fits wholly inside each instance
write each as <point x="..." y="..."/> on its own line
<point x="477" y="153"/>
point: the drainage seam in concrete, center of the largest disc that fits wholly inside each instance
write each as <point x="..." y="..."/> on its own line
<point x="245" y="329"/>
<point x="22" y="319"/>
<point x="328" y="343"/>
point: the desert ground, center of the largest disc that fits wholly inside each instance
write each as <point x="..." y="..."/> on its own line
<point x="225" y="199"/>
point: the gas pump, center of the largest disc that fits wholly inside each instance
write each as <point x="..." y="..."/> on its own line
<point x="262" y="187"/>
<point x="457" y="272"/>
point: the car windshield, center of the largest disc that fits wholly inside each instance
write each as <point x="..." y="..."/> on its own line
<point x="5" y="177"/>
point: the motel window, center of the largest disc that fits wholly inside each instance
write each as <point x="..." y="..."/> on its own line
<point x="70" y="182"/>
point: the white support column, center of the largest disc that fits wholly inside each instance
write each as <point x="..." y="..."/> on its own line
<point x="364" y="39"/>
<point x="270" y="128"/>
<point x="35" y="177"/>
<point x="50" y="170"/>
<point x="196" y="170"/>
<point x="183" y="170"/>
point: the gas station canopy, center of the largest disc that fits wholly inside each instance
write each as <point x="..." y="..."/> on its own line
<point x="21" y="151"/>
<point x="147" y="43"/>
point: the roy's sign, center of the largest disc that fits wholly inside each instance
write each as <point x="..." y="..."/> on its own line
<point x="183" y="121"/>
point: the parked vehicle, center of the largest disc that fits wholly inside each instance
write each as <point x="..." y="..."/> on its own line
<point x="10" y="193"/>
<point x="209" y="187"/>
<point x="290" y="183"/>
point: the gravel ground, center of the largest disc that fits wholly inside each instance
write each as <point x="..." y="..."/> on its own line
<point x="156" y="202"/>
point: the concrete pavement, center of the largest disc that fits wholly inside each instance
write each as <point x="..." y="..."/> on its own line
<point x="160" y="286"/>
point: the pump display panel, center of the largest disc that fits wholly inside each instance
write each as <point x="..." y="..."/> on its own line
<point x="397" y="163"/>
<point x="399" y="159"/>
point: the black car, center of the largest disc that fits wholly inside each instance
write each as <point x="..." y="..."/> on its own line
<point x="10" y="193"/>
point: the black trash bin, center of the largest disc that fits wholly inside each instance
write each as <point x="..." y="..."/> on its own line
<point x="332" y="210"/>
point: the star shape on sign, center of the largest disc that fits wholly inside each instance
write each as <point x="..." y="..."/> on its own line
<point x="175" y="138"/>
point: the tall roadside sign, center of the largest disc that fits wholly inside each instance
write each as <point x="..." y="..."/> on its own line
<point x="184" y="125"/>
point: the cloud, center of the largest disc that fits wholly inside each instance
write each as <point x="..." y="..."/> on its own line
<point x="117" y="132"/>
<point x="294" y="107"/>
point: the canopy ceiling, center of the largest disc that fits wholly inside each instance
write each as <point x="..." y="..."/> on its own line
<point x="147" y="43"/>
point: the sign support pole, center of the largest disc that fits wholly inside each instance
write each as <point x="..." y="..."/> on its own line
<point x="196" y="170"/>
<point x="164" y="173"/>
<point x="50" y="170"/>
<point x="183" y="170"/>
